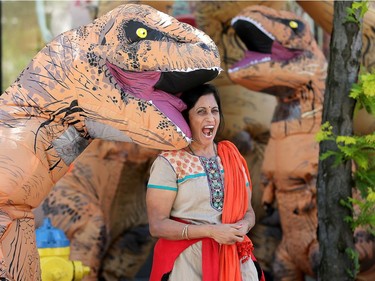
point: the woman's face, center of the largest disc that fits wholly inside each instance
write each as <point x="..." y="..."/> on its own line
<point x="204" y="119"/>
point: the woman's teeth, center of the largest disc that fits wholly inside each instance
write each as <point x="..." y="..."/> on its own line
<point x="208" y="131"/>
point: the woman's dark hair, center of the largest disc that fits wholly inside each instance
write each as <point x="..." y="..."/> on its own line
<point x="190" y="98"/>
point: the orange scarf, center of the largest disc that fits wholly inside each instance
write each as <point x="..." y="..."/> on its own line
<point x="235" y="207"/>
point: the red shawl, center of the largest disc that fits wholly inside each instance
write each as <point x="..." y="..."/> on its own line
<point x="167" y="251"/>
<point x="235" y="207"/>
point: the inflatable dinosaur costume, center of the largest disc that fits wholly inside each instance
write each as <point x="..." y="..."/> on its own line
<point x="284" y="60"/>
<point x="111" y="79"/>
<point x="100" y="204"/>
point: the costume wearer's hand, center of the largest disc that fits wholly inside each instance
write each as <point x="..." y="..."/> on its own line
<point x="228" y="234"/>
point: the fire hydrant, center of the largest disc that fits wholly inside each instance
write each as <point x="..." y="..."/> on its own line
<point x="54" y="250"/>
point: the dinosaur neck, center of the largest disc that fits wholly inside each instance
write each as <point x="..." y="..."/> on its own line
<point x="300" y="113"/>
<point x="304" y="102"/>
<point x="46" y="108"/>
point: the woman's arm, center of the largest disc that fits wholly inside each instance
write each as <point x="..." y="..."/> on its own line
<point x="159" y="205"/>
<point x="248" y="221"/>
<point x="160" y="196"/>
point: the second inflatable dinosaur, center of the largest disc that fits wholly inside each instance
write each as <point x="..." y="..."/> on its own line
<point x="283" y="59"/>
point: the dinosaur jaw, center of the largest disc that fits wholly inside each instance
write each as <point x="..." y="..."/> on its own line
<point x="278" y="54"/>
<point x="175" y="82"/>
<point x="160" y="89"/>
<point x="141" y="85"/>
<point x="265" y="53"/>
<point x="256" y="68"/>
<point x="134" y="121"/>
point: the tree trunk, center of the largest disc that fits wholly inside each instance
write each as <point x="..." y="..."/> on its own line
<point x="334" y="182"/>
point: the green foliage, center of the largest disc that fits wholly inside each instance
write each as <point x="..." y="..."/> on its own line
<point x="356" y="12"/>
<point x="355" y="257"/>
<point x="365" y="214"/>
<point x="360" y="150"/>
<point x="325" y="133"/>
<point x="364" y="92"/>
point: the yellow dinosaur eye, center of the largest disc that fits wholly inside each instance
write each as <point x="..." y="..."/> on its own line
<point x="141" y="32"/>
<point x="293" y="24"/>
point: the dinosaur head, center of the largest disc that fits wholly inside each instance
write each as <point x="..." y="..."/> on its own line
<point x="281" y="54"/>
<point x="148" y="58"/>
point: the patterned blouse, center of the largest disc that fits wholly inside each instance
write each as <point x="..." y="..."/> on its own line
<point x="198" y="181"/>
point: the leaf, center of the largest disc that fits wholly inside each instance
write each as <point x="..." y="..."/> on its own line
<point x="351" y="19"/>
<point x="327" y="154"/>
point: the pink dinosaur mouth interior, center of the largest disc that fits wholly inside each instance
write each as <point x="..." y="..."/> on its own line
<point x="141" y="85"/>
<point x="278" y="54"/>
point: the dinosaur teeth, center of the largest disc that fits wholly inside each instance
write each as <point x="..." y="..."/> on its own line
<point x="257" y="24"/>
<point x="253" y="62"/>
<point x="218" y="69"/>
<point x="183" y="134"/>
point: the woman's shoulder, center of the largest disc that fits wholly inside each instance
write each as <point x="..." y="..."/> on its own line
<point x="225" y="143"/>
<point x="173" y="154"/>
<point x="226" y="146"/>
<point x="182" y="161"/>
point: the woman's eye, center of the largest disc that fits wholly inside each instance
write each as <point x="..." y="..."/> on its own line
<point x="141" y="32"/>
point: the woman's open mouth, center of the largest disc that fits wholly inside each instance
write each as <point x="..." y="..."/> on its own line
<point x="208" y="130"/>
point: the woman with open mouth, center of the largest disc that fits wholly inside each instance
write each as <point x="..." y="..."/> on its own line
<point x="199" y="202"/>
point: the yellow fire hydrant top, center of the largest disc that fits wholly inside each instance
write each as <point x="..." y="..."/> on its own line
<point x="54" y="251"/>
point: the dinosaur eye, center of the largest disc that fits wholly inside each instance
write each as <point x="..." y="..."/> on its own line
<point x="141" y="32"/>
<point x="135" y="32"/>
<point x="293" y="24"/>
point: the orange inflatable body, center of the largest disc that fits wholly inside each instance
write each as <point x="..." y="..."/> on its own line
<point x="111" y="79"/>
<point x="100" y="205"/>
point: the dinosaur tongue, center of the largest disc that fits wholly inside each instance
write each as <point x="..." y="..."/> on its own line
<point x="141" y="85"/>
<point x="280" y="53"/>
